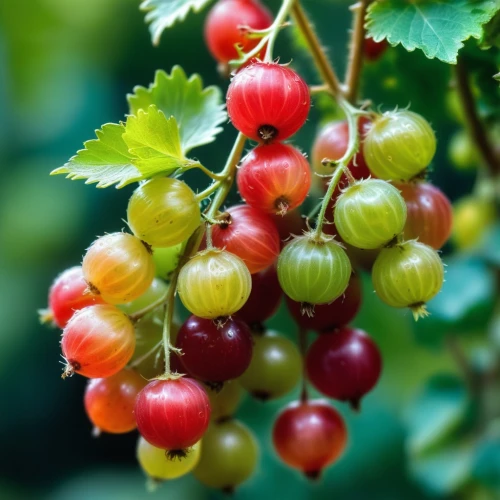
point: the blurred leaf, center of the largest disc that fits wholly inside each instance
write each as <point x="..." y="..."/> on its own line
<point x="491" y="36"/>
<point x="436" y="412"/>
<point x="154" y="142"/>
<point x="198" y="111"/>
<point x="490" y="245"/>
<point x="486" y="467"/>
<point x="444" y="471"/>
<point x="105" y="160"/>
<point x="465" y="302"/>
<point x="438" y="28"/>
<point x="164" y="13"/>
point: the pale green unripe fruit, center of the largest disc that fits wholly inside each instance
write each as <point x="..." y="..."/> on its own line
<point x="370" y="213"/>
<point x="313" y="272"/>
<point x="163" y="212"/>
<point x="408" y="275"/>
<point x="399" y="145"/>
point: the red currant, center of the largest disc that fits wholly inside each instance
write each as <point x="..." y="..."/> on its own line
<point x="274" y="178"/>
<point x="267" y="102"/>
<point x="98" y="341"/>
<point x="373" y="50"/>
<point x="309" y="436"/>
<point x="290" y="224"/>
<point x="344" y="365"/>
<point x="225" y="27"/>
<point x="109" y="402"/>
<point x="173" y="414"/>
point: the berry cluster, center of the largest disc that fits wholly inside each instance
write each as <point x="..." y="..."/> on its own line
<point x="116" y="312"/>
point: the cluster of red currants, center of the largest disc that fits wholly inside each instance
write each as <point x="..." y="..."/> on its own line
<point x="112" y="313"/>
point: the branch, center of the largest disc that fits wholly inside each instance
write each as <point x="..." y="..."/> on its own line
<point x="474" y="123"/>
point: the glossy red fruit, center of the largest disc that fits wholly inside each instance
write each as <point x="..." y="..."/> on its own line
<point x="214" y="351"/>
<point x="264" y="299"/>
<point x="98" y="341"/>
<point x="429" y="213"/>
<point x="68" y="294"/>
<point x="329" y="316"/>
<point x="290" y="224"/>
<point x="172" y="414"/>
<point x="344" y="365"/>
<point x="274" y="178"/>
<point x="373" y="50"/>
<point x="225" y="27"/>
<point x="109" y="402"/>
<point x="249" y="234"/>
<point x="309" y="436"/>
<point x="268" y="102"/>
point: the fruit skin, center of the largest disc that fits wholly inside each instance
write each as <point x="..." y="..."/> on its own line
<point x="344" y="365"/>
<point x="399" y="145"/>
<point x="118" y="267"/>
<point x="109" y="402"/>
<point x="373" y="50"/>
<point x="309" y="436"/>
<point x="97" y="342"/>
<point x="369" y="214"/>
<point x="462" y="152"/>
<point x="408" y="275"/>
<point x="214" y="283"/>
<point x="264" y="298"/>
<point x="163" y="212"/>
<point x="313" y="272"/>
<point x="223" y="27"/>
<point x="166" y="260"/>
<point x="213" y="352"/>
<point x="225" y="402"/>
<point x="172" y="414"/>
<point x="229" y="455"/>
<point x="326" y="317"/>
<point x="157" y="466"/>
<point x="275" y="369"/>
<point x="68" y="294"/>
<point x="274" y="178"/>
<point x="429" y="214"/>
<point x="249" y="234"/>
<point x="268" y="102"/>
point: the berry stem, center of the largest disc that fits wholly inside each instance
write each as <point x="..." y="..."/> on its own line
<point x="206" y="171"/>
<point x="474" y="124"/>
<point x="318" y="54"/>
<point x="145" y="356"/>
<point x="356" y="51"/>
<point x="460" y="358"/>
<point x="167" y="322"/>
<point x="151" y="307"/>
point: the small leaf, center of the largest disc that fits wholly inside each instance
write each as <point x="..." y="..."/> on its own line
<point x="198" y="111"/>
<point x="164" y="13"/>
<point x="436" y="412"/>
<point x="486" y="468"/>
<point x="437" y="27"/>
<point x="154" y="141"/>
<point x="105" y="160"/>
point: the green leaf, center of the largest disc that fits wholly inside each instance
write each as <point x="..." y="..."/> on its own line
<point x="486" y="468"/>
<point x="164" y="13"/>
<point x="105" y="160"/>
<point x="198" y="111"/>
<point x="436" y="412"/>
<point x="490" y="245"/>
<point x="154" y="142"/>
<point x="437" y="27"/>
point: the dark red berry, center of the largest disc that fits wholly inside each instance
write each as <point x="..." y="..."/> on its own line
<point x="374" y="50"/>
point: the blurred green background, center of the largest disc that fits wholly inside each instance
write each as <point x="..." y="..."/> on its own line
<point x="65" y="68"/>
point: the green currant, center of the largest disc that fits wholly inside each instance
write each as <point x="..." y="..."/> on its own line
<point x="370" y="213"/>
<point x="408" y="275"/>
<point x="155" y="292"/>
<point x="166" y="259"/>
<point x="225" y="402"/>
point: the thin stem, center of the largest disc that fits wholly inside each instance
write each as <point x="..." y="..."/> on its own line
<point x="356" y="51"/>
<point x="278" y="22"/>
<point x="318" y="89"/>
<point x="318" y="54"/>
<point x="206" y="171"/>
<point x="167" y="322"/>
<point x="463" y="364"/>
<point x="208" y="191"/>
<point x="138" y="361"/>
<point x="474" y="123"/>
<point x="303" y="350"/>
<point x="150" y="307"/>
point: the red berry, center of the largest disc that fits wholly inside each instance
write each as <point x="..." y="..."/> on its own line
<point x="267" y="102"/>
<point x="109" y="402"/>
<point x="172" y="414"/>
<point x="329" y="316"/>
<point x="309" y="436"/>
<point x="429" y="213"/>
<point x="274" y="178"/>
<point x="68" y="294"/>
<point x="264" y="299"/>
<point x="225" y="23"/>
<point x="98" y="341"/>
<point x="344" y="365"/>
<point x="215" y="352"/>
<point x="373" y="50"/>
<point x="290" y="224"/>
<point x="249" y="234"/>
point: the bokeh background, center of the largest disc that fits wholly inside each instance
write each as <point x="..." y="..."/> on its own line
<point x="65" y="68"/>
